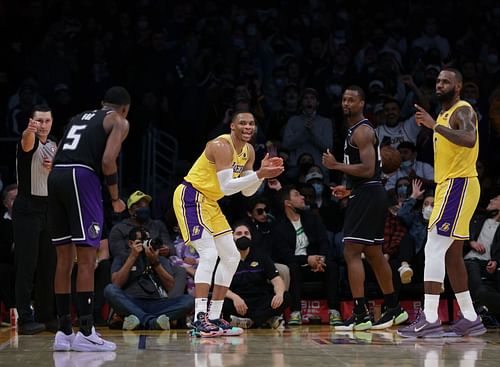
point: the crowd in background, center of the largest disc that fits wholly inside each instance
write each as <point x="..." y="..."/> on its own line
<point x="189" y="64"/>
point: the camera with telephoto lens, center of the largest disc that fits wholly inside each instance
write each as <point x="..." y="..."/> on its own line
<point x="155" y="243"/>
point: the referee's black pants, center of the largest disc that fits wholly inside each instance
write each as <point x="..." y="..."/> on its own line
<point x="35" y="260"/>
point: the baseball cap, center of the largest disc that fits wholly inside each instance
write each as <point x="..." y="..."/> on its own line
<point x="312" y="176"/>
<point x="434" y="67"/>
<point x="376" y="83"/>
<point x="136" y="197"/>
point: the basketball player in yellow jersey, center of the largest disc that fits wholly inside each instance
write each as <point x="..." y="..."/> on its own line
<point x="457" y="194"/>
<point x="224" y="168"/>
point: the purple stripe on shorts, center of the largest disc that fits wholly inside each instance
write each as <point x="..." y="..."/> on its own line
<point x="191" y="212"/>
<point x="452" y="204"/>
<point x="90" y="205"/>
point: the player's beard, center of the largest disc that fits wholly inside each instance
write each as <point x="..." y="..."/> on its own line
<point x="446" y="96"/>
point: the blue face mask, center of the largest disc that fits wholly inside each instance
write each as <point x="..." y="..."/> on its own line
<point x="142" y="214"/>
<point x="402" y="191"/>
<point x="318" y="188"/>
<point x="406" y="164"/>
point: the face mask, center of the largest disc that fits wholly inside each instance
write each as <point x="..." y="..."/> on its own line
<point x="304" y="167"/>
<point x="142" y="214"/>
<point x="492" y="59"/>
<point x="240" y="19"/>
<point x="334" y="90"/>
<point x="251" y="30"/>
<point x="403" y="191"/>
<point x="243" y="243"/>
<point x="239" y="43"/>
<point x="406" y="165"/>
<point x="279" y="82"/>
<point x="318" y="188"/>
<point x="426" y="212"/>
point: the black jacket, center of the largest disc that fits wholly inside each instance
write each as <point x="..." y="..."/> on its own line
<point x="283" y="239"/>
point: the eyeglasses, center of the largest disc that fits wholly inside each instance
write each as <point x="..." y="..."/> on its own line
<point x="261" y="211"/>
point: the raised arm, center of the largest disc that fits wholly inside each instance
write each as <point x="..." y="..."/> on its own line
<point x="221" y="153"/>
<point x="463" y="125"/>
<point x="28" y="136"/>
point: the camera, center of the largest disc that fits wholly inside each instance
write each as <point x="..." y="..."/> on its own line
<point x="155" y="243"/>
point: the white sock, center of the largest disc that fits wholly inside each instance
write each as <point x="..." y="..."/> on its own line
<point x="466" y="307"/>
<point x="200" y="305"/>
<point x="215" y="309"/>
<point x="431" y="304"/>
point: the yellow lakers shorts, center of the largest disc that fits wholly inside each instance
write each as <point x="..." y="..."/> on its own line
<point x="195" y="214"/>
<point x="455" y="201"/>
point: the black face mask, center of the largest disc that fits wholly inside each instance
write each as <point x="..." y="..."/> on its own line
<point x="304" y="167"/>
<point x="142" y="214"/>
<point x="243" y="243"/>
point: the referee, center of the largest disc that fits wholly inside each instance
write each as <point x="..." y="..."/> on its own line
<point x="34" y="253"/>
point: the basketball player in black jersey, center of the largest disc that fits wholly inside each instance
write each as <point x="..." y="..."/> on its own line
<point x="365" y="214"/>
<point x="87" y="153"/>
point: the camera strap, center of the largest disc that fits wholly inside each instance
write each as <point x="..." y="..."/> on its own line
<point x="162" y="292"/>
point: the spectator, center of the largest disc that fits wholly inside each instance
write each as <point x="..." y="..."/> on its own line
<point x="260" y="223"/>
<point x="307" y="133"/>
<point x="411" y="252"/>
<point x="411" y="167"/>
<point x="141" y="286"/>
<point x="395" y="130"/>
<point x="482" y="255"/>
<point x="257" y="294"/>
<point x="7" y="270"/>
<point x="300" y="241"/>
<point x="140" y="216"/>
<point x="187" y="257"/>
<point x="321" y="201"/>
<point x="430" y="38"/>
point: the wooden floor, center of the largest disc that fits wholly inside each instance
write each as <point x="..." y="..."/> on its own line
<point x="316" y="346"/>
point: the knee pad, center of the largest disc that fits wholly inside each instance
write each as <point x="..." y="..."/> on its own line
<point x="208" y="258"/>
<point x="435" y="253"/>
<point x="229" y="260"/>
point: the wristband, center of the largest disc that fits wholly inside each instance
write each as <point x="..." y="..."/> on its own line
<point x="111" y="179"/>
<point x="115" y="200"/>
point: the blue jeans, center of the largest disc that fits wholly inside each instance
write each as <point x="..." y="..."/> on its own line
<point x="147" y="310"/>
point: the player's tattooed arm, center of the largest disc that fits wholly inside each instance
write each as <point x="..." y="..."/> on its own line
<point x="463" y="127"/>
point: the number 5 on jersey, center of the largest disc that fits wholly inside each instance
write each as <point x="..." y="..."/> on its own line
<point x="73" y="137"/>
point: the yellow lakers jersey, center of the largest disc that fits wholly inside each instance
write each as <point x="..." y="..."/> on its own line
<point x="203" y="176"/>
<point x="452" y="160"/>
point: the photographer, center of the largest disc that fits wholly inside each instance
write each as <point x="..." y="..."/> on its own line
<point x="141" y="284"/>
<point x="138" y="205"/>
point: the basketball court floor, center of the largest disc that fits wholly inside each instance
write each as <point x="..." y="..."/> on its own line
<point x="315" y="345"/>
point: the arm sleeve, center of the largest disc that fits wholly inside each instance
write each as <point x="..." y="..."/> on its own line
<point x="230" y="185"/>
<point x="251" y="189"/>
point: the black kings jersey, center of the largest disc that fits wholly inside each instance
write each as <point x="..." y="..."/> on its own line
<point x="84" y="141"/>
<point x="351" y="156"/>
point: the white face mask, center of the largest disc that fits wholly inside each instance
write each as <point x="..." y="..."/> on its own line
<point x="426" y="212"/>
